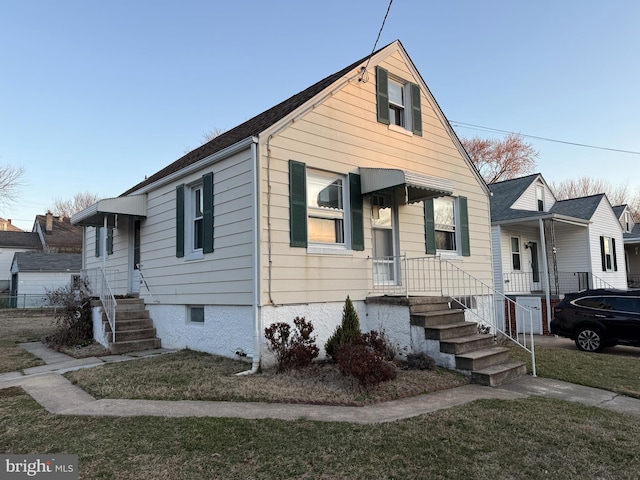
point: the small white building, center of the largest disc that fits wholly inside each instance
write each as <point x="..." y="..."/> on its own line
<point x="35" y="273"/>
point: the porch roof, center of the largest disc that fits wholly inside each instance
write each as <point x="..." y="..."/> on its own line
<point x="418" y="187"/>
<point x="93" y="216"/>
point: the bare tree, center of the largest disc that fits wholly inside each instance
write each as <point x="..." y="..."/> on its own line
<point x="498" y="160"/>
<point x="585" y="186"/>
<point x="80" y="201"/>
<point x="10" y="184"/>
<point x="211" y="134"/>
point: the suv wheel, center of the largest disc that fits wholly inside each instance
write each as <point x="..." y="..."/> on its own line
<point x="589" y="339"/>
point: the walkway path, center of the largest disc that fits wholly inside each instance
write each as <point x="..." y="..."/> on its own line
<point x="57" y="395"/>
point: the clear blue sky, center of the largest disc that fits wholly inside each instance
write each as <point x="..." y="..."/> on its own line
<point x="96" y="95"/>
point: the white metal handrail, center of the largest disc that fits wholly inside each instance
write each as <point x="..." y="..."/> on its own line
<point x="560" y="282"/>
<point x="432" y="275"/>
<point x="99" y="284"/>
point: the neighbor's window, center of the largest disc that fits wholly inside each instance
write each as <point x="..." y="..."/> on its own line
<point x="444" y="214"/>
<point x="196" y="314"/>
<point x="607" y="259"/>
<point x="325" y="207"/>
<point x="540" y="198"/>
<point x="515" y="253"/>
<point x="627" y="222"/>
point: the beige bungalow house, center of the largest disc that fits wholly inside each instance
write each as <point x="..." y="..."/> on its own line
<point x="544" y="247"/>
<point x="355" y="186"/>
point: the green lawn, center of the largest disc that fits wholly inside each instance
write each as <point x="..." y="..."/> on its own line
<point x="532" y="438"/>
<point x="609" y="371"/>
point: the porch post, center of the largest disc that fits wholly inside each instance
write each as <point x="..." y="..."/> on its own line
<point x="545" y="267"/>
<point x="104" y="246"/>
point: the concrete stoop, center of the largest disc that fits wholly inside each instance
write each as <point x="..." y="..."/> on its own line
<point x="134" y="327"/>
<point x="475" y="354"/>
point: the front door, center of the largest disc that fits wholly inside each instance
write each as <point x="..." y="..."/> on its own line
<point x="134" y="268"/>
<point x="535" y="268"/>
<point x="385" y="264"/>
<point x="534" y="305"/>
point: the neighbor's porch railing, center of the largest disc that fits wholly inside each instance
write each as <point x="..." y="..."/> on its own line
<point x="562" y="283"/>
<point x="432" y="275"/>
<point x="98" y="281"/>
<point x="633" y="280"/>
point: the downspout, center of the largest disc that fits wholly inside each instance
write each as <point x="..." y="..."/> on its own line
<point x="257" y="318"/>
<point x="545" y="266"/>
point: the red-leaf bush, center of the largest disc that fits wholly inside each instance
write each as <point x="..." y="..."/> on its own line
<point x="364" y="359"/>
<point x="292" y="350"/>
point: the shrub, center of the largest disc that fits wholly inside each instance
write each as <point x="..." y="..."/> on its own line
<point x="292" y="351"/>
<point x="72" y="314"/>
<point x="346" y="333"/>
<point x="362" y="362"/>
<point x="420" y="361"/>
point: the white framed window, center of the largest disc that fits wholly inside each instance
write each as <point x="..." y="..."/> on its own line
<point x="516" y="259"/>
<point x="608" y="252"/>
<point x="396" y="104"/>
<point x="194" y="220"/>
<point x="444" y="209"/>
<point x="326" y="208"/>
<point x="195" y="314"/>
<point x="540" y="198"/>
<point x="627" y="222"/>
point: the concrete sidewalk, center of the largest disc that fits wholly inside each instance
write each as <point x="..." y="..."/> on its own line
<point x="57" y="395"/>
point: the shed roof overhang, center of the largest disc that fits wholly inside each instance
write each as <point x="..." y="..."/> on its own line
<point x="110" y="208"/>
<point x="533" y="220"/>
<point x="417" y="187"/>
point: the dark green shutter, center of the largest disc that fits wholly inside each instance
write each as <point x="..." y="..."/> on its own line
<point x="416" y="112"/>
<point x="98" y="248"/>
<point x="109" y="241"/>
<point x="603" y="257"/>
<point x="207" y="212"/>
<point x="357" y="222"/>
<point x="429" y="227"/>
<point x="297" y="203"/>
<point x="382" y="95"/>
<point x="464" y="227"/>
<point x="615" y="260"/>
<point x="180" y="220"/>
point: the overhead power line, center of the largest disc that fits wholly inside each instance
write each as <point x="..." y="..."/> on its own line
<point x="546" y="139"/>
<point x="364" y="69"/>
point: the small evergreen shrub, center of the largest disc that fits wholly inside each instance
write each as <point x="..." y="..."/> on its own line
<point x="292" y="350"/>
<point x="72" y="314"/>
<point x="346" y="333"/>
<point x="420" y="361"/>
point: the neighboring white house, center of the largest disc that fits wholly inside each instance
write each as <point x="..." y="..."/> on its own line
<point x="12" y="242"/>
<point x="320" y="197"/>
<point x="631" y="236"/>
<point x="543" y="248"/>
<point x="35" y="273"/>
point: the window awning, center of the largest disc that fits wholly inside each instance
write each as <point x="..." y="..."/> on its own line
<point x="418" y="187"/>
<point x="93" y="216"/>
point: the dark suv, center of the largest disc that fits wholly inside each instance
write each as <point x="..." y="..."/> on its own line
<point x="596" y="319"/>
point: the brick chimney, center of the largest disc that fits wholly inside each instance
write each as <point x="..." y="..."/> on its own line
<point x="48" y="228"/>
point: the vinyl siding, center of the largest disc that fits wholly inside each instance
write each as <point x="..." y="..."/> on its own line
<point x="37" y="283"/>
<point x="605" y="223"/>
<point x="339" y="135"/>
<point x="529" y="201"/>
<point x="223" y="277"/>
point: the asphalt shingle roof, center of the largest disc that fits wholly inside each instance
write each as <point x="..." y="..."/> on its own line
<point x="506" y="193"/>
<point x="64" y="236"/>
<point x="28" y="240"/>
<point x="249" y="128"/>
<point x="48" y="262"/>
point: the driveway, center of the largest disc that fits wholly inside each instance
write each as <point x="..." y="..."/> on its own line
<point x="552" y="341"/>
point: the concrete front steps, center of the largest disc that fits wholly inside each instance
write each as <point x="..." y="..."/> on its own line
<point x="134" y="327"/>
<point x="474" y="353"/>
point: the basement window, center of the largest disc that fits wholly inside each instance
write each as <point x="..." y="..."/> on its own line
<point x="196" y="314"/>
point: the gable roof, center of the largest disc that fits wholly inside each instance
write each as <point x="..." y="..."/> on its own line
<point x="619" y="210"/>
<point x="27" y="240"/>
<point x="583" y="207"/>
<point x="47" y="262"/>
<point x="251" y="127"/>
<point x="506" y="193"/>
<point x="63" y="237"/>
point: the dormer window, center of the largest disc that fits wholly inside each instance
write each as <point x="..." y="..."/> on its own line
<point x="540" y="198"/>
<point x="398" y="102"/>
<point x="627" y="222"/>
